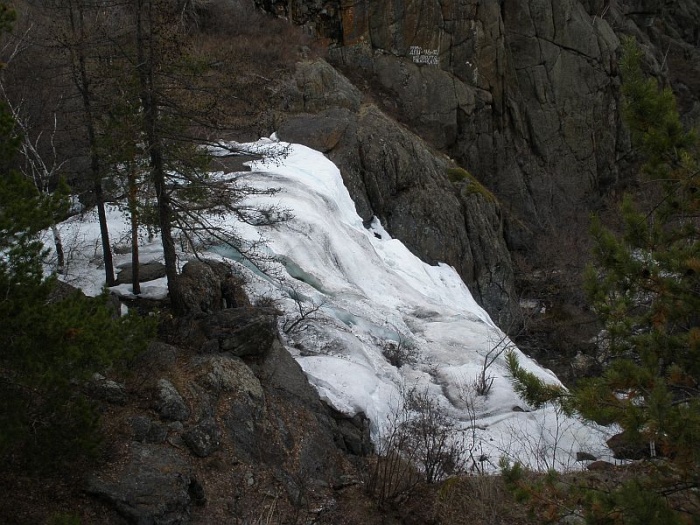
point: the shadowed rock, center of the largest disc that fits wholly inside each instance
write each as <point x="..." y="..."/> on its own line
<point x="204" y="438"/>
<point x="147" y="272"/>
<point x="150" y="486"/>
<point x="200" y="286"/>
<point x="170" y="404"/>
<point x="244" y="332"/>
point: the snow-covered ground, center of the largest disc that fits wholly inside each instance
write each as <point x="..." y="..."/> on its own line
<point x="363" y="293"/>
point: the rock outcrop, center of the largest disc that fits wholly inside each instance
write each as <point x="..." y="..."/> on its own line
<point x="205" y="436"/>
<point x="200" y="282"/>
<point x="151" y="485"/>
<point x="147" y="272"/>
<point x="524" y="95"/>
<point x="393" y="174"/>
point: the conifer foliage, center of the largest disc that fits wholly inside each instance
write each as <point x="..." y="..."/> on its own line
<point x="644" y="285"/>
<point x="48" y="347"/>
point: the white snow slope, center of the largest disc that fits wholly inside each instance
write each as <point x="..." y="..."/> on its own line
<point x="367" y="292"/>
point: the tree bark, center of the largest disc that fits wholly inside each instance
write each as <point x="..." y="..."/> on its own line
<point x="154" y="144"/>
<point x="82" y="81"/>
<point x="58" y="243"/>
<point x="134" y="212"/>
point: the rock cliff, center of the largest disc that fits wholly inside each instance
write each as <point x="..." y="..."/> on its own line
<point x="525" y="95"/>
<point x="397" y="176"/>
<point x="201" y="435"/>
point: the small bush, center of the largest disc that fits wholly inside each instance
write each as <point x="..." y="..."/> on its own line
<point x="399" y="353"/>
<point x="63" y="518"/>
<point x="478" y="499"/>
<point x="266" y="301"/>
<point x="472" y="186"/>
<point x="421" y="444"/>
<point x="459" y="175"/>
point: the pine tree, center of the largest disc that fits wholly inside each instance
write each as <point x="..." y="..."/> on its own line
<point x="644" y="285"/>
<point x="48" y="347"/>
<point x="180" y="109"/>
<point x="148" y="92"/>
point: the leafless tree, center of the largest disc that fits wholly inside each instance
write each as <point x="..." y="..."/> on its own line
<point x="306" y="311"/>
<point x="498" y="344"/>
<point x="41" y="165"/>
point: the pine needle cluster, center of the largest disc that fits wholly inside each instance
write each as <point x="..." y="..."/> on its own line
<point x="644" y="285"/>
<point x="48" y="347"/>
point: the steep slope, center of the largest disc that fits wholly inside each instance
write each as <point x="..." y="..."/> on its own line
<point x="395" y="175"/>
<point x="367" y="320"/>
<point x="525" y="95"/>
<point x="221" y="422"/>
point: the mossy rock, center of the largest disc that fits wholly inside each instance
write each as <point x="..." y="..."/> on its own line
<point x="470" y="184"/>
<point x="458" y="175"/>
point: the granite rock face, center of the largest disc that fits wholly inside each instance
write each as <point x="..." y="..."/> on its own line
<point x="396" y="176"/>
<point x="151" y="486"/>
<point x="524" y="95"/>
<point x="170" y="404"/>
<point x="211" y="428"/>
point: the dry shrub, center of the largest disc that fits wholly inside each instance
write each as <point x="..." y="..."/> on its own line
<point x="401" y="352"/>
<point x="268" y="42"/>
<point x="391" y="478"/>
<point x="474" y="500"/>
<point x="249" y="57"/>
<point x="419" y="445"/>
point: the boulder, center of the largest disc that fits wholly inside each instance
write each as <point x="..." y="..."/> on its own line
<point x="147" y="272"/>
<point x="601" y="466"/>
<point x="355" y="434"/>
<point x="321" y="132"/>
<point x="62" y="291"/>
<point x="286" y="383"/>
<point x="244" y="332"/>
<point x="151" y="485"/>
<point x="99" y="387"/>
<point x="226" y="374"/>
<point x="585" y="456"/>
<point x="228" y="388"/>
<point x="626" y="446"/>
<point x="318" y="86"/>
<point x="145" y="430"/>
<point x="169" y="402"/>
<point x="204" y="438"/>
<point x="280" y="372"/>
<point x="200" y="286"/>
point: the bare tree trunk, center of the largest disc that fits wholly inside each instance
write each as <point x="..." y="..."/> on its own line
<point x="82" y="81"/>
<point x="154" y="143"/>
<point x="60" y="256"/>
<point x="104" y="232"/>
<point x="134" y="212"/>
